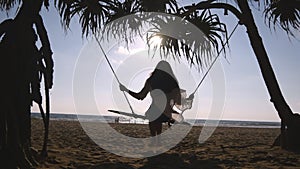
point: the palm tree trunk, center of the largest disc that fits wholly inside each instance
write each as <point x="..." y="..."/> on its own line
<point x="285" y="113"/>
<point x="18" y="47"/>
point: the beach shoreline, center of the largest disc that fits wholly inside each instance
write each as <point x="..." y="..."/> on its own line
<point x="228" y="147"/>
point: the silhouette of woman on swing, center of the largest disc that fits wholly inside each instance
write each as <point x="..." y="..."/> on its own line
<point x="165" y="93"/>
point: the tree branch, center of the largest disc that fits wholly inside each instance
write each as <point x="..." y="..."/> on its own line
<point x="208" y="5"/>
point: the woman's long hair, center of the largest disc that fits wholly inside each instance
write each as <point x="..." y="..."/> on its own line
<point x="164" y="79"/>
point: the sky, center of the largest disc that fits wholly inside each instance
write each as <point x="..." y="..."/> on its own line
<point x="246" y="97"/>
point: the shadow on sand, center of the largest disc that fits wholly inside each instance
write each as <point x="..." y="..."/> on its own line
<point x="116" y="165"/>
<point x="167" y="161"/>
<point x="163" y="161"/>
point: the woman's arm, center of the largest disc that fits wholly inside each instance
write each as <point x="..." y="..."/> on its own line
<point x="140" y="95"/>
<point x="176" y="96"/>
<point x="186" y="103"/>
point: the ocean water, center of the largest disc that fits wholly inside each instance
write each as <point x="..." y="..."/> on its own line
<point x="235" y="123"/>
<point x="195" y="122"/>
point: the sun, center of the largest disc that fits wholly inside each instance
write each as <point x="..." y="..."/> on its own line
<point x="155" y="40"/>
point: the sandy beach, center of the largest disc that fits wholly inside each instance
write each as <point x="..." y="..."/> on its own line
<point x="69" y="147"/>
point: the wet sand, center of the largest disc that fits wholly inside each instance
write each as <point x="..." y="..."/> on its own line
<point x="69" y="147"/>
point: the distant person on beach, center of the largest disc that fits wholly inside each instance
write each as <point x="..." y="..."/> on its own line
<point x="165" y="93"/>
<point x="117" y="119"/>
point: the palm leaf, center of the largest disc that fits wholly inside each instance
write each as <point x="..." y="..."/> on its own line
<point x="128" y="28"/>
<point x="119" y="9"/>
<point x="198" y="50"/>
<point x="96" y="15"/>
<point x="130" y="24"/>
<point x="284" y="12"/>
<point x="8" y="4"/>
<point x="158" y="5"/>
<point x="92" y="13"/>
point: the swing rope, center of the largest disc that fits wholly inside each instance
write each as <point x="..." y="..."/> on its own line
<point x="112" y="69"/>
<point x="214" y="61"/>
<point x="210" y="67"/>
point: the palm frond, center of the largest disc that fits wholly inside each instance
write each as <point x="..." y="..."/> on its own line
<point x="8" y="4"/>
<point x="158" y="5"/>
<point x="96" y="15"/>
<point x="135" y="16"/>
<point x="124" y="21"/>
<point x="286" y="13"/>
<point x="211" y="26"/>
<point x="92" y="13"/>
<point x="126" y="28"/>
<point x="119" y="9"/>
<point x="197" y="49"/>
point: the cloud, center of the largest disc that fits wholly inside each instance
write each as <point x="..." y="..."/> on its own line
<point x="125" y="51"/>
<point x="118" y="62"/>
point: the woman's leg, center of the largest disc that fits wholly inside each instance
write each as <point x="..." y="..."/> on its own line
<point x="152" y="132"/>
<point x="152" y="127"/>
<point x="155" y="128"/>
<point x="158" y="128"/>
<point x="155" y="131"/>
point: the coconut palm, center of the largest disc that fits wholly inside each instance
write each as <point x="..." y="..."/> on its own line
<point x="277" y="12"/>
<point x="23" y="67"/>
